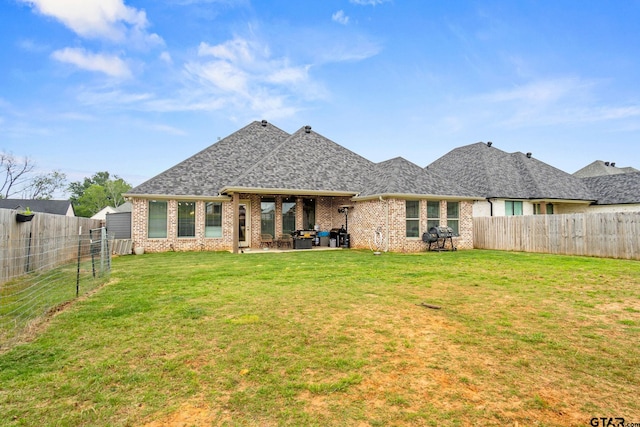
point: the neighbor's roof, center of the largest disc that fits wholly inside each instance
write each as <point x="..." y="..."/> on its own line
<point x="615" y="189"/>
<point x="599" y="168"/>
<point x="400" y="176"/>
<point x="57" y="207"/>
<point x="492" y="173"/>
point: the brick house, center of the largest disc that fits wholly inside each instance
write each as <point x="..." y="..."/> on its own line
<point x="262" y="180"/>
<point x="513" y="183"/>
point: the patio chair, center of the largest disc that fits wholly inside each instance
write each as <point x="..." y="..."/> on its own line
<point x="285" y="240"/>
<point x="266" y="240"/>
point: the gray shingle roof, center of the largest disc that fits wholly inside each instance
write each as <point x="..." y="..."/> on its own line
<point x="400" y="176"/>
<point x="307" y="161"/>
<point x="615" y="189"/>
<point x="599" y="168"/>
<point x="490" y="172"/>
<point x="206" y="172"/>
<point x="58" y="207"/>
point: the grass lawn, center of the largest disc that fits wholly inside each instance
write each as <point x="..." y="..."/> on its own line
<point x="337" y="338"/>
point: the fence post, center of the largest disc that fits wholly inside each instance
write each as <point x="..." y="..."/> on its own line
<point x="78" y="271"/>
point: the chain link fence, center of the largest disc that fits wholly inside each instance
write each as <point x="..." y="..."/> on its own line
<point x="41" y="271"/>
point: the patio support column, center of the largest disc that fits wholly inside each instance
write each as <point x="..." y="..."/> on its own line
<point x="235" y="235"/>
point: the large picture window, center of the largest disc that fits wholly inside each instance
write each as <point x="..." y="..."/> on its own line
<point x="157" y="227"/>
<point x="453" y="217"/>
<point x="413" y="218"/>
<point x="186" y="219"/>
<point x="268" y="217"/>
<point x="288" y="216"/>
<point x="512" y="207"/>
<point x="433" y="214"/>
<point x="213" y="219"/>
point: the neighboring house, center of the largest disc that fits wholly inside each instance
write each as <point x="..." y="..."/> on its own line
<point x="56" y="207"/>
<point x="263" y="180"/>
<point x="600" y="168"/>
<point x="615" y="193"/>
<point x="513" y="183"/>
<point x="102" y="213"/>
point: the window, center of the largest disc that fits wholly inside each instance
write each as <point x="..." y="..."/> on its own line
<point x="268" y="217"/>
<point x="433" y="214"/>
<point x="186" y="219"/>
<point x="288" y="216"/>
<point x="453" y="217"/>
<point x="157" y="227"/>
<point x="213" y="219"/>
<point x="538" y="208"/>
<point x="308" y="214"/>
<point x="413" y="218"/>
<point x="512" y="207"/>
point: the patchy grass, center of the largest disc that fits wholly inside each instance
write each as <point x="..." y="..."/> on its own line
<point x="337" y="338"/>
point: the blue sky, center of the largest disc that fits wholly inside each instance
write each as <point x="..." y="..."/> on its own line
<point x="134" y="87"/>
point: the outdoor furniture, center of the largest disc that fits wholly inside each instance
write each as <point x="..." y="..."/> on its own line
<point x="266" y="240"/>
<point x="285" y="240"/>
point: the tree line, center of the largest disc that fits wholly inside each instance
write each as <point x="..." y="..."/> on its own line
<point x="18" y="179"/>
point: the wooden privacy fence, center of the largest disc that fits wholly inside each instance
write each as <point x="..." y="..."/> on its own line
<point x="44" y="242"/>
<point x="606" y="235"/>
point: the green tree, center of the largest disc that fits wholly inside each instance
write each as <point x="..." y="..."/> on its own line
<point x="95" y="193"/>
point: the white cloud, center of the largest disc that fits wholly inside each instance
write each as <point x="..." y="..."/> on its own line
<point x="340" y="17"/>
<point x="107" y="64"/>
<point x="551" y="102"/>
<point x="166" y="57"/>
<point x="242" y="73"/>
<point x="103" y="19"/>
<point x="368" y="2"/>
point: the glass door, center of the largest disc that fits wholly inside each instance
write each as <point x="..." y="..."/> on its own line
<point x="244" y="222"/>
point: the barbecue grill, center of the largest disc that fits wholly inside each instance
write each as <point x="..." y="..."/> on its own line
<point x="438" y="237"/>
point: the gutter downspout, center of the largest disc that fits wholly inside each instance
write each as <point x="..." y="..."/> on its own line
<point x="491" y="204"/>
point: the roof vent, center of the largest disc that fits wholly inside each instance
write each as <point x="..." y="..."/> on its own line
<point x="613" y="164"/>
<point x="264" y="123"/>
<point x="528" y="155"/>
<point x="489" y="144"/>
<point x="606" y="163"/>
<point x="307" y="129"/>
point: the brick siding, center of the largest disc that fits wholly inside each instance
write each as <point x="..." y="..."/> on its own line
<point x="387" y="216"/>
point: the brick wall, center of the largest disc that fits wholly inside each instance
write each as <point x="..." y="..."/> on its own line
<point x="365" y="219"/>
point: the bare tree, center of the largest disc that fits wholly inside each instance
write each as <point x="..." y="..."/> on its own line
<point x="14" y="174"/>
<point x="44" y="186"/>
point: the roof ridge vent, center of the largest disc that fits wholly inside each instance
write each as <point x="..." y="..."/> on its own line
<point x="307" y="129"/>
<point x="264" y="123"/>
<point x="613" y="164"/>
<point x="606" y="163"/>
<point x="489" y="143"/>
<point x="529" y="155"/>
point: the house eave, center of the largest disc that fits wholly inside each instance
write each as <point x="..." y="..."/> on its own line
<point x="286" y="191"/>
<point x="220" y="198"/>
<point x="414" y="197"/>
